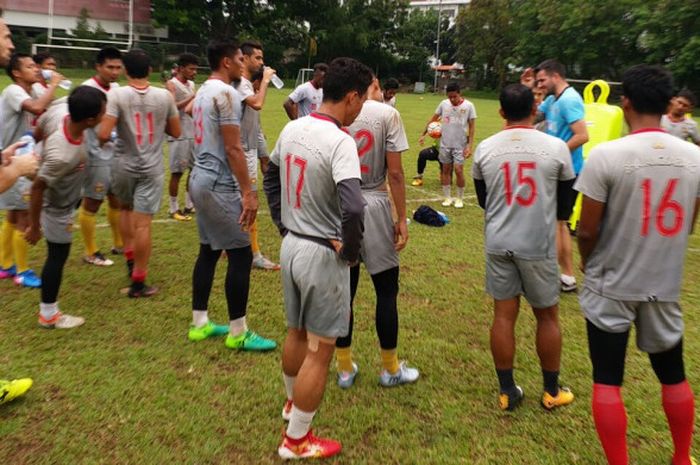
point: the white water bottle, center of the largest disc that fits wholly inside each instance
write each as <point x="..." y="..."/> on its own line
<point x="276" y="81"/>
<point x="27" y="147"/>
<point x="64" y="84"/>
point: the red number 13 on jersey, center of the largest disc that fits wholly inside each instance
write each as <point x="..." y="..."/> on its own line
<point x="299" y="162"/>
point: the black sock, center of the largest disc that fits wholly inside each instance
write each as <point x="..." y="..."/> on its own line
<point x="505" y="380"/>
<point x="551" y="382"/>
<point x="130" y="267"/>
<point x="137" y="285"/>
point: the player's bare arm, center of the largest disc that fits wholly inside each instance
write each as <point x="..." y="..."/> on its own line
<point x="589" y="227"/>
<point x="527" y="78"/>
<point x="257" y="100"/>
<point x="580" y="135"/>
<point x="182" y="104"/>
<point x="231" y="135"/>
<point x="107" y="125"/>
<point x="172" y="127"/>
<point x="470" y="135"/>
<point x="38" y="105"/>
<point x="434" y="118"/>
<point x="33" y="232"/>
<point x="397" y="188"/>
<point x="291" y="108"/>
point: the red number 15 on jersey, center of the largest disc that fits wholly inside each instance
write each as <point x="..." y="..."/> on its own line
<point x="523" y="180"/>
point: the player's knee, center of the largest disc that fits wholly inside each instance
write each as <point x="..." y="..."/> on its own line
<point x="668" y="365"/>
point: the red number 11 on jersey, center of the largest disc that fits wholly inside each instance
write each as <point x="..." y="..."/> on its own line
<point x="299" y="162"/>
<point x="138" y="123"/>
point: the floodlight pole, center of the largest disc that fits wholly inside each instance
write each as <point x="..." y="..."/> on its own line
<point x="437" y="47"/>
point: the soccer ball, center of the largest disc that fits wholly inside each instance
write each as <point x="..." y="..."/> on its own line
<point x="435" y="130"/>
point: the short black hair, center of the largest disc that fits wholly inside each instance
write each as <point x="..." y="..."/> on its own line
<point x="85" y="102"/>
<point x="453" y="87"/>
<point x="187" y="59"/>
<point x="321" y="67"/>
<point x="137" y="63"/>
<point x="345" y="75"/>
<point x="41" y="57"/>
<point x="516" y="101"/>
<point x="688" y="95"/>
<point x="551" y="66"/>
<point x="14" y="62"/>
<point x="218" y="49"/>
<point x="107" y="53"/>
<point x="248" y="46"/>
<point x="649" y="88"/>
<point x="391" y="83"/>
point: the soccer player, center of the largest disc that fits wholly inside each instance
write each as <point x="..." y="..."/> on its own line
<point x="101" y="161"/>
<point x="181" y="152"/>
<point x="307" y="97"/>
<point x="431" y="153"/>
<point x="391" y="87"/>
<point x="458" y="117"/>
<point x="250" y="129"/>
<point x="143" y="116"/>
<point x="640" y="201"/>
<point x="56" y="192"/>
<point x="225" y="201"/>
<point x="313" y="189"/>
<point x="523" y="179"/>
<point x="380" y="137"/>
<point x="677" y="122"/>
<point x="564" y="112"/>
<point x="18" y="109"/>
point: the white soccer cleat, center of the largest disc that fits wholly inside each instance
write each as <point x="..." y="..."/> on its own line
<point x="447" y="202"/>
<point x="405" y="375"/>
<point x="459" y="203"/>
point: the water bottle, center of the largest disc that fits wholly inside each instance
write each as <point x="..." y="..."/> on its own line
<point x="27" y="147"/>
<point x="64" y="84"/>
<point x="276" y="81"/>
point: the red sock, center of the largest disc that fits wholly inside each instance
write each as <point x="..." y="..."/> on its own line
<point x="679" y="406"/>
<point x="138" y="276"/>
<point x="129" y="254"/>
<point x="611" y="422"/>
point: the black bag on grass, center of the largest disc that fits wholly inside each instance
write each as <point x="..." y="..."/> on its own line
<point x="426" y="215"/>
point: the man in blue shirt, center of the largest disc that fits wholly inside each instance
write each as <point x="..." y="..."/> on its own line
<point x="564" y="114"/>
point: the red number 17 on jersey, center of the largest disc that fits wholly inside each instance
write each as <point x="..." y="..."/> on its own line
<point x="300" y="163"/>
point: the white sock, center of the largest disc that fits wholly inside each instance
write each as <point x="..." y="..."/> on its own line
<point x="289" y="385"/>
<point x="299" y="423"/>
<point x="200" y="318"/>
<point x="447" y="191"/>
<point x="237" y="327"/>
<point x="188" y="200"/>
<point x="566" y="279"/>
<point x="48" y="311"/>
<point x="173" y="204"/>
<point x="460" y="192"/>
<point x="257" y="255"/>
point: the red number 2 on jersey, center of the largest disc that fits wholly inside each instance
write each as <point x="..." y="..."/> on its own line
<point x="667" y="205"/>
<point x="523" y="180"/>
<point x="364" y="140"/>
<point x="299" y="162"/>
<point x="138" y="122"/>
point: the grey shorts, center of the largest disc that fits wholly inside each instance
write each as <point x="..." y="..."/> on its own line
<point x="451" y="156"/>
<point x="659" y="324"/>
<point x="217" y="216"/>
<point x="377" y="251"/>
<point x="57" y="226"/>
<point x="181" y="154"/>
<point x="17" y="196"/>
<point x="536" y="280"/>
<point x="316" y="284"/>
<point x="141" y="193"/>
<point x="97" y="182"/>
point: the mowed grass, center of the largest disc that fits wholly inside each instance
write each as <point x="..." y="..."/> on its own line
<point x="129" y="388"/>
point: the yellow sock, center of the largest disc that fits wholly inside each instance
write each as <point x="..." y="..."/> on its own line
<point x="390" y="360"/>
<point x="87" y="229"/>
<point x="6" y="251"/>
<point x="19" y="246"/>
<point x="253" y="231"/>
<point x="343" y="359"/>
<point x="113" y="218"/>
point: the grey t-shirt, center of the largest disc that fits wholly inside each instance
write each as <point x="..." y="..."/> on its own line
<point x="216" y="104"/>
<point x="142" y="116"/>
<point x="250" y="119"/>
<point x="183" y="91"/>
<point x="649" y="182"/>
<point x="15" y="121"/>
<point x="307" y="97"/>
<point x="99" y="156"/>
<point x="455" y="122"/>
<point x="522" y="168"/>
<point x="686" y="129"/>
<point x="377" y="129"/>
<point x="314" y="155"/>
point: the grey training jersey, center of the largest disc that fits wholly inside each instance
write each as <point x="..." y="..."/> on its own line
<point x="307" y="97"/>
<point x="314" y="155"/>
<point x="15" y="121"/>
<point x="183" y="91"/>
<point x="250" y="118"/>
<point x="62" y="162"/>
<point x="99" y="156"/>
<point x="142" y="116"/>
<point x="686" y="129"/>
<point x="522" y="168"/>
<point x="216" y="104"/>
<point x="377" y="129"/>
<point x="455" y="122"/>
<point x="649" y="182"/>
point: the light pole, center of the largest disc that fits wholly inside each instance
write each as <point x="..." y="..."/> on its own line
<point x="437" y="46"/>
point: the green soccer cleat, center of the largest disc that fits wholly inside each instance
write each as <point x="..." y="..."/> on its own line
<point x="250" y="341"/>
<point x="210" y="329"/>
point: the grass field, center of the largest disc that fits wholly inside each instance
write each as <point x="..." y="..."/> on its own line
<point x="129" y="388"/>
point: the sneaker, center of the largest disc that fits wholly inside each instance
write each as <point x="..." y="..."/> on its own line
<point x="189" y="211"/>
<point x="263" y="263"/>
<point x="7" y="273"/>
<point x="136" y="292"/>
<point x="510" y="402"/>
<point x="563" y="397"/>
<point x="27" y="279"/>
<point x="117" y="251"/>
<point x="210" y="329"/>
<point x="417" y="181"/>
<point x="251" y="341"/>
<point x="61" y="321"/>
<point x="287" y="410"/>
<point x="459" y="203"/>
<point x="10" y="390"/>
<point x="447" y="202"/>
<point x="347" y="378"/>
<point x="308" y="447"/>
<point x="568" y="287"/>
<point x="405" y="375"/>
<point x="179" y="216"/>
<point x="98" y="259"/>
